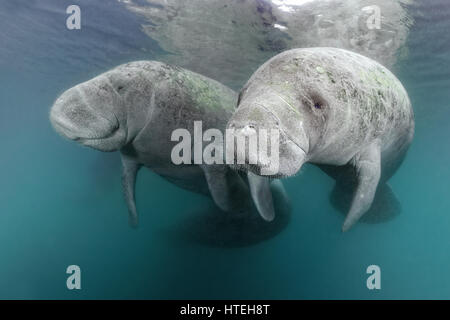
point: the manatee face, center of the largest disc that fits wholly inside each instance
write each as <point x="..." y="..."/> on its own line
<point x="299" y="115"/>
<point x="96" y="113"/>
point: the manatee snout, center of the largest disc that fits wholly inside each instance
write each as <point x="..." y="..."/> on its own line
<point x="273" y="152"/>
<point x="76" y="116"/>
<point x="257" y="138"/>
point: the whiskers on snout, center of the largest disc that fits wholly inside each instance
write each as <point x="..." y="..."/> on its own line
<point x="256" y="149"/>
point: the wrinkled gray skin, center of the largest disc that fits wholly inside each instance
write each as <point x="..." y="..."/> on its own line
<point x="135" y="107"/>
<point x="336" y="109"/>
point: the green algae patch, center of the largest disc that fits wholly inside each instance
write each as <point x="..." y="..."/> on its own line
<point x="207" y="95"/>
<point x="329" y="74"/>
<point x="320" y="70"/>
<point x="378" y="78"/>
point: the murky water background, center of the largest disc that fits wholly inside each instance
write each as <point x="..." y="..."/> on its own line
<point x="61" y="204"/>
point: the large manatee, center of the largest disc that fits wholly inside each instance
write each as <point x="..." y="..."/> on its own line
<point x="135" y="108"/>
<point x="334" y="108"/>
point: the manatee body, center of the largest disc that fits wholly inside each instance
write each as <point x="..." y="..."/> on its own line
<point x="334" y="108"/>
<point x="134" y="109"/>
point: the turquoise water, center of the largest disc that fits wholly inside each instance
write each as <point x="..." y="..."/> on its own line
<point x="61" y="204"/>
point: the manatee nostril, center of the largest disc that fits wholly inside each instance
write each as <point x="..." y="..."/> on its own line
<point x="248" y="130"/>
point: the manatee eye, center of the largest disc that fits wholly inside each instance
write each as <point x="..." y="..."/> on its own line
<point x="318" y="101"/>
<point x="120" y="89"/>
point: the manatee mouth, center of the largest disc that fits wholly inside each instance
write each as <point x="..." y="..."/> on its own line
<point x="106" y="143"/>
<point x="88" y="139"/>
<point x="82" y="135"/>
<point x="253" y="168"/>
<point x="290" y="160"/>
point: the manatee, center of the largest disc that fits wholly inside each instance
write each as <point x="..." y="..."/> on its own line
<point x="135" y="107"/>
<point x="333" y="108"/>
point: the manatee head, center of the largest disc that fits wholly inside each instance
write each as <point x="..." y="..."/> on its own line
<point x="298" y="115"/>
<point x="106" y="112"/>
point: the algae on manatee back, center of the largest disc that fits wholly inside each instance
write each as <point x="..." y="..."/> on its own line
<point x="207" y="95"/>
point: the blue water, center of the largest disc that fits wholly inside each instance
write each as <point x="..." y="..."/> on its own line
<point x="61" y="204"/>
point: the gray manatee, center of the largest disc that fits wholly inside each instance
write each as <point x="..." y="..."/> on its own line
<point x="135" y="107"/>
<point x="336" y="109"/>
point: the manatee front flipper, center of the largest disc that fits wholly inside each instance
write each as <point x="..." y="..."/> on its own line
<point x="385" y="205"/>
<point x="228" y="190"/>
<point x="261" y="195"/>
<point x="367" y="164"/>
<point x="130" y="169"/>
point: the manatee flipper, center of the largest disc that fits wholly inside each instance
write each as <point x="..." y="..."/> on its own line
<point x="130" y="169"/>
<point x="227" y="188"/>
<point x="281" y="202"/>
<point x="367" y="164"/>
<point x="261" y="195"/>
<point x="385" y="205"/>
